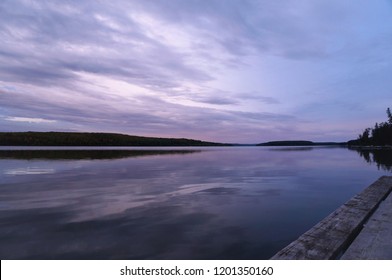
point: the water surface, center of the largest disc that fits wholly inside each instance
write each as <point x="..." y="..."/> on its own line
<point x="171" y="203"/>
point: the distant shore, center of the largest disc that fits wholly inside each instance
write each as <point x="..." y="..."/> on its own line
<point x="116" y="140"/>
<point x="301" y="143"/>
<point x="93" y="139"/>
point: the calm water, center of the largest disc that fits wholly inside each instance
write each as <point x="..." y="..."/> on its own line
<point x="185" y="203"/>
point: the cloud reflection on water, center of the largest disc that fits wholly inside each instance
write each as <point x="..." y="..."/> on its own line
<point x="224" y="203"/>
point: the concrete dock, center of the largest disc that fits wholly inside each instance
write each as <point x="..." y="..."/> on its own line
<point x="359" y="229"/>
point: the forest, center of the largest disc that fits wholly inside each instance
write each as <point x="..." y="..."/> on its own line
<point x="379" y="135"/>
<point x="92" y="139"/>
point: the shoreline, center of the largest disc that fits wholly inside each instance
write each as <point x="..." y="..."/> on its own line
<point x="370" y="148"/>
<point x="333" y="236"/>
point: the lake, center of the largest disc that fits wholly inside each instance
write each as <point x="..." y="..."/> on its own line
<point x="172" y="203"/>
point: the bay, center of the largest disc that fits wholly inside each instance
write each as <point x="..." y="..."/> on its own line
<point x="172" y="203"/>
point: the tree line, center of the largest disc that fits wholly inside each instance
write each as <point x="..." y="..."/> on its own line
<point x="92" y="139"/>
<point x="379" y="135"/>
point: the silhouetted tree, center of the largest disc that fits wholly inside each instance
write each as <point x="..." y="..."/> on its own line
<point x="389" y="116"/>
<point x="364" y="137"/>
<point x="380" y="135"/>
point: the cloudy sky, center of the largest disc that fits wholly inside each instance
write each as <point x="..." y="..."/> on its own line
<point x="219" y="70"/>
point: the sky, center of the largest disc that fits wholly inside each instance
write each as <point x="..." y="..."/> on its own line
<point x="237" y="71"/>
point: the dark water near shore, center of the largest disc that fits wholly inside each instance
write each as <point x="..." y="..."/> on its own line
<point x="185" y="203"/>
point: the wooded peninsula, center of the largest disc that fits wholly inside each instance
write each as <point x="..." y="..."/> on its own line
<point x="379" y="135"/>
<point x="93" y="139"/>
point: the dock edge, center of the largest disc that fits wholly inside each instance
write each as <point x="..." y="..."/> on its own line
<point x="332" y="236"/>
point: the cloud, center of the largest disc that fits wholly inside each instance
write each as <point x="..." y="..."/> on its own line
<point x="156" y="44"/>
<point x="203" y="69"/>
<point x="162" y="118"/>
<point x="53" y="46"/>
<point x="29" y="120"/>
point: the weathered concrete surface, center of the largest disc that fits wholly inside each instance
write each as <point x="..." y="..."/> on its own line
<point x="330" y="237"/>
<point x="374" y="242"/>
